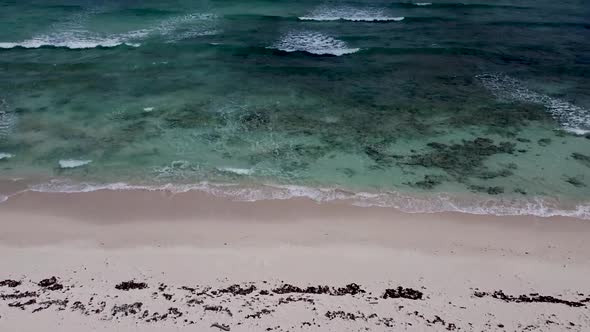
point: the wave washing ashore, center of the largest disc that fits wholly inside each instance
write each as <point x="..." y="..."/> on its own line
<point x="424" y="107"/>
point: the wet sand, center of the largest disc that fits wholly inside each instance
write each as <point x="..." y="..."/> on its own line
<point x="152" y="261"/>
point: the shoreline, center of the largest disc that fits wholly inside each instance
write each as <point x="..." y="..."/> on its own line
<point x="407" y="202"/>
<point x="473" y="271"/>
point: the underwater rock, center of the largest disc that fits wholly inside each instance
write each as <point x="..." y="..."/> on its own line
<point x="544" y="141"/>
<point x="429" y="182"/>
<point x="488" y="190"/>
<point x="584" y="159"/>
<point x="460" y="160"/>
<point x="575" y="182"/>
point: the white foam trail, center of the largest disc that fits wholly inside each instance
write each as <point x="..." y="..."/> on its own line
<point x="571" y="117"/>
<point x="423" y="3"/>
<point x="72" y="34"/>
<point x="314" y="43"/>
<point x="73" y="163"/>
<point x="349" y="14"/>
<point x="4" y="156"/>
<point x="541" y="207"/>
<point x="239" y="171"/>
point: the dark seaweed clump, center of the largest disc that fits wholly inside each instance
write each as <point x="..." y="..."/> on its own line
<point x="10" y="283"/>
<point x="531" y="298"/>
<point x="401" y="292"/>
<point x="129" y="285"/>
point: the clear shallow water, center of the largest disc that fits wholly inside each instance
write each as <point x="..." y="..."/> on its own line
<point x="475" y="106"/>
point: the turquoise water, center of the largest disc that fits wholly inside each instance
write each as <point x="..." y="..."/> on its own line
<point x="475" y="103"/>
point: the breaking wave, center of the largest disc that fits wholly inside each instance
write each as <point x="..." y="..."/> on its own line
<point x="571" y="117"/>
<point x="72" y="34"/>
<point x="314" y="43"/>
<point x="349" y="14"/>
<point x="427" y="203"/>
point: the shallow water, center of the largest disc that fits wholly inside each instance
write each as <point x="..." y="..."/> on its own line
<point x="482" y="101"/>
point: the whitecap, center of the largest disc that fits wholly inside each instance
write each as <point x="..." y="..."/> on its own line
<point x="239" y="171"/>
<point x="4" y="156"/>
<point x="72" y="34"/>
<point x="148" y="109"/>
<point x="314" y="43"/>
<point x="422" y="3"/>
<point x="572" y="118"/>
<point x="73" y="163"/>
<point x="349" y="14"/>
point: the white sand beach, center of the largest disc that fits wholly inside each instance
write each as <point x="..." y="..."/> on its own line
<point x="201" y="263"/>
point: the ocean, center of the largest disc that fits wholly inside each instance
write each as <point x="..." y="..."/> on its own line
<point x="474" y="106"/>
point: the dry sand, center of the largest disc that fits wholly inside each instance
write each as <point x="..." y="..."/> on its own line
<point x="209" y="264"/>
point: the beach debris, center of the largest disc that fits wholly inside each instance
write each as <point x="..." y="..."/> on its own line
<point x="222" y="327"/>
<point x="10" y="283"/>
<point x="129" y="285"/>
<point x="50" y="284"/>
<point x="401" y="292"/>
<point x="531" y="298"/>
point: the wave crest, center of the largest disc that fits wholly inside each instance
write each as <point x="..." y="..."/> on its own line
<point x="314" y="43"/>
<point x="349" y="14"/>
<point x="571" y="117"/>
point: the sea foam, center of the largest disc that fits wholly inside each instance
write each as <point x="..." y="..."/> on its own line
<point x="572" y="118"/>
<point x="4" y="156"/>
<point x="72" y="33"/>
<point x="314" y="43"/>
<point x="73" y="163"/>
<point x="349" y="14"/>
<point x="428" y="203"/>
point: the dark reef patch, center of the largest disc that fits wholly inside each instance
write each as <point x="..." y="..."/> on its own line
<point x="584" y="159"/>
<point x="461" y="161"/>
